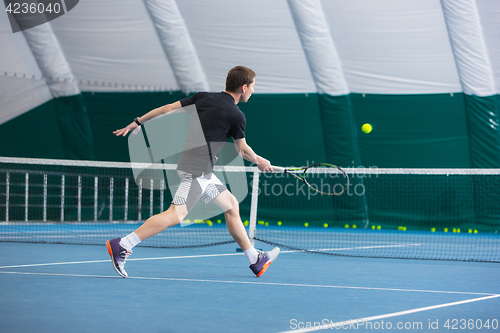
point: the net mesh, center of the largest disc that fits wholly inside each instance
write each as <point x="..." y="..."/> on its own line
<point x="73" y="202"/>
<point x="389" y="213"/>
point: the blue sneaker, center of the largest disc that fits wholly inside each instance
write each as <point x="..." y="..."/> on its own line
<point x="118" y="255"/>
<point x="265" y="259"/>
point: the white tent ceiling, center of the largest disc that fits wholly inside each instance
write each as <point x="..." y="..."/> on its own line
<point x="383" y="47"/>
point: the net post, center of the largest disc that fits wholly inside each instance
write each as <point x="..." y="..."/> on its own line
<point x="253" y="207"/>
<point x="151" y="198"/>
<point x="139" y="216"/>
<point x="63" y="180"/>
<point x="111" y="189"/>
<point x="26" y="195"/>
<point x="96" y="183"/>
<point x="7" y="196"/>
<point x="79" y="198"/>
<point x="162" y="194"/>
<point x="125" y="217"/>
<point x="44" y="198"/>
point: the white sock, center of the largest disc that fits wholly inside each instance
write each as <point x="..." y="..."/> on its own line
<point x="252" y="255"/>
<point x="130" y="241"/>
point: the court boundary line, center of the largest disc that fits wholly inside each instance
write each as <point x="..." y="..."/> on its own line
<point x="132" y="259"/>
<point x="363" y="321"/>
<point x="250" y="283"/>
<point x="199" y="256"/>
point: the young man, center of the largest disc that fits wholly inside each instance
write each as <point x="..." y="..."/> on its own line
<point x="220" y="119"/>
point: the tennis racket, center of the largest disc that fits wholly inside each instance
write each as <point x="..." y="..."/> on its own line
<point x="324" y="178"/>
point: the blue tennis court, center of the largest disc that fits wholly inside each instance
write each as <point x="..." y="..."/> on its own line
<point x="411" y="261"/>
<point x="361" y="137"/>
<point x="58" y="288"/>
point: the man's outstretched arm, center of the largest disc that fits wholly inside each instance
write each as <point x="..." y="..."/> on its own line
<point x="248" y="154"/>
<point x="148" y="116"/>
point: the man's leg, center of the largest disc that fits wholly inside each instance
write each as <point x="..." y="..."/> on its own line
<point x="230" y="205"/>
<point x="159" y="222"/>
<point x="120" y="248"/>
<point x="259" y="261"/>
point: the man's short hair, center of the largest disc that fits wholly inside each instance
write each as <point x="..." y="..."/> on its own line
<point x="239" y="76"/>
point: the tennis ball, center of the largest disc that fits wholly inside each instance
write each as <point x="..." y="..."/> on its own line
<point x="367" y="128"/>
<point x="279" y="222"/>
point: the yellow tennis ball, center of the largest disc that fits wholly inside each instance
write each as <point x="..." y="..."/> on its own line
<point x="367" y="128"/>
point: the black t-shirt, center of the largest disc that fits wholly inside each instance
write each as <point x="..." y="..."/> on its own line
<point x="220" y="119"/>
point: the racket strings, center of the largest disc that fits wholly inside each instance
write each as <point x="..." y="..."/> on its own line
<point x="326" y="180"/>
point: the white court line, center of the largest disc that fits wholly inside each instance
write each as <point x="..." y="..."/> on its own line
<point x="205" y="255"/>
<point x="252" y="283"/>
<point x="363" y="321"/>
<point x="136" y="259"/>
<point x="365" y="247"/>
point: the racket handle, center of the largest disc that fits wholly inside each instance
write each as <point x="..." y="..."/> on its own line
<point x="278" y="169"/>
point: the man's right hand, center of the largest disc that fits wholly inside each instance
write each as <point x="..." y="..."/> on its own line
<point x="264" y="165"/>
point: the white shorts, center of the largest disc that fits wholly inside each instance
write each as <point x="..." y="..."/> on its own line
<point x="191" y="190"/>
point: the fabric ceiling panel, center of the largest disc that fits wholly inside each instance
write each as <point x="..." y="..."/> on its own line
<point x="393" y="46"/>
<point x="319" y="48"/>
<point x="19" y="95"/>
<point x="179" y="49"/>
<point x="21" y="84"/>
<point x="489" y="15"/>
<point x="51" y="61"/>
<point x="259" y="34"/>
<point x="112" y="45"/>
<point x="469" y="48"/>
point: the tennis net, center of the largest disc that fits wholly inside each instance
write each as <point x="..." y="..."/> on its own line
<point x="88" y="202"/>
<point x="446" y="214"/>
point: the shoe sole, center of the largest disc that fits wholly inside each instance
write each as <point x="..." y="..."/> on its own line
<point x="110" y="251"/>
<point x="264" y="269"/>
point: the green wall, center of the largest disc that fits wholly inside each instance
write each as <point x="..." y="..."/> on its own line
<point x="413" y="131"/>
<point x="409" y="131"/>
<point x="58" y="129"/>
